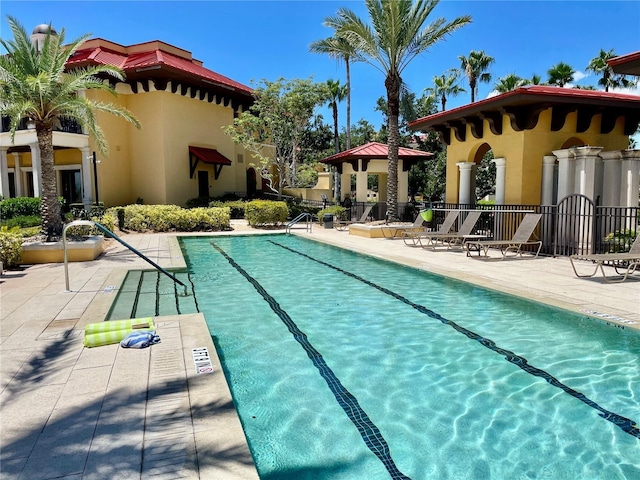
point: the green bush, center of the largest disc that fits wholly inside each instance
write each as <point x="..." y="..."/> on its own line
<point x="620" y="241"/>
<point x="23" y="221"/>
<point x="19" y="207"/>
<point x="266" y="212"/>
<point x="296" y="208"/>
<point x="236" y="206"/>
<point x="10" y="247"/>
<point x="336" y="210"/>
<point x="165" y="218"/>
<point x="198" y="202"/>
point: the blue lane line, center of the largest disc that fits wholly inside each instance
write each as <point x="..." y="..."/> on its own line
<point x="626" y="424"/>
<point x="368" y="431"/>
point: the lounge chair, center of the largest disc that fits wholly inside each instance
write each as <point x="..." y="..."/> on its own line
<point x="344" y="224"/>
<point x="415" y="238"/>
<point x="396" y="231"/>
<point x="624" y="263"/>
<point x="520" y="238"/>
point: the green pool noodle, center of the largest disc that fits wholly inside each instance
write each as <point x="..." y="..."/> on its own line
<point x="110" y="325"/>
<point x="427" y="215"/>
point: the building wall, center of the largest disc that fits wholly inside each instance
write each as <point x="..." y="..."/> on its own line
<point x="523" y="151"/>
<point x="153" y="163"/>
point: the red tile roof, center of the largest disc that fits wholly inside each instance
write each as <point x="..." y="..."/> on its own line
<point x="535" y="94"/>
<point x="375" y="150"/>
<point x="136" y="59"/>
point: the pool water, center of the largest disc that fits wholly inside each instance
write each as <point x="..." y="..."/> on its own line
<point x="343" y="366"/>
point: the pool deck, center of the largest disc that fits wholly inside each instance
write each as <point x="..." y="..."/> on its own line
<point x="72" y="412"/>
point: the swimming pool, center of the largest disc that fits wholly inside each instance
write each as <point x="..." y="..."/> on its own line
<point x="345" y="366"/>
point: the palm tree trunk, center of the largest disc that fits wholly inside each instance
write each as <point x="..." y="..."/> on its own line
<point x="336" y="138"/>
<point x="50" y="206"/>
<point x="346" y="61"/>
<point x="392" y="83"/>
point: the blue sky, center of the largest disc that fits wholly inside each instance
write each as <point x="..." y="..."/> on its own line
<point x="252" y="40"/>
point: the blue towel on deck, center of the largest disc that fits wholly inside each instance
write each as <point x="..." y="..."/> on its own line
<point x="140" y="340"/>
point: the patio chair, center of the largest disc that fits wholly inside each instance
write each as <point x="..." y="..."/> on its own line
<point x="396" y="231"/>
<point x="413" y="238"/>
<point x="520" y="238"/>
<point x="344" y="224"/>
<point x="450" y="238"/>
<point x="624" y="263"/>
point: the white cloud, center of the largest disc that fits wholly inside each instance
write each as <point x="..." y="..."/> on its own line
<point x="580" y="75"/>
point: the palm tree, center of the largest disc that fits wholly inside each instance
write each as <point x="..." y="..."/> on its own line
<point x="337" y="93"/>
<point x="395" y="37"/>
<point x="475" y="68"/>
<point x="34" y="86"/>
<point x="608" y="79"/>
<point x="339" y="48"/>
<point x="445" y="86"/>
<point x="509" y="83"/>
<point x="534" y="80"/>
<point x="560" y="74"/>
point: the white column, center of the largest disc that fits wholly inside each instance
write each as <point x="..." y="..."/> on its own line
<point x="611" y="178"/>
<point x="87" y="184"/>
<point x="361" y="183"/>
<point x="464" y="189"/>
<point x="588" y="166"/>
<point x="403" y="183"/>
<point x="37" y="169"/>
<point x="501" y="176"/>
<point x="630" y="178"/>
<point x="548" y="165"/>
<point x="4" y="173"/>
<point x="18" y="173"/>
<point x="566" y="172"/>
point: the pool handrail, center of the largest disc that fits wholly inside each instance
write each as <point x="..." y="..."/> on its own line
<point x="303" y="215"/>
<point x="109" y="233"/>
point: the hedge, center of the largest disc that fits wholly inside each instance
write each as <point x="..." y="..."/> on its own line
<point x="19" y="207"/>
<point x="165" y="218"/>
<point x="265" y="212"/>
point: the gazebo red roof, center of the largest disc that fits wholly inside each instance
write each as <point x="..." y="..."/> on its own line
<point x="375" y="151"/>
<point x="628" y="64"/>
<point x="157" y="61"/>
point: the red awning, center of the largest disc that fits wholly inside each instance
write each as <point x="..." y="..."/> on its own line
<point x="209" y="155"/>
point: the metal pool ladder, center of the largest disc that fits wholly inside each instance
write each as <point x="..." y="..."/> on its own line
<point x="109" y="233"/>
<point x="303" y="216"/>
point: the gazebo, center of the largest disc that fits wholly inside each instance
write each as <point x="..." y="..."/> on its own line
<point x="372" y="159"/>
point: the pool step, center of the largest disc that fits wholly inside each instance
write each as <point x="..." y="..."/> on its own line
<point x="149" y="293"/>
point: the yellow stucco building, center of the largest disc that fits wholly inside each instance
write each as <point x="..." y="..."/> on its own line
<point x="547" y="142"/>
<point x="180" y="153"/>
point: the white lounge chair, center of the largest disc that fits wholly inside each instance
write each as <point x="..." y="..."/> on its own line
<point x="520" y="238"/>
<point x="344" y="224"/>
<point x="624" y="263"/>
<point x="414" y="239"/>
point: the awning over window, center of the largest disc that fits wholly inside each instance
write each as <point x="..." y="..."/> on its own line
<point x="207" y="155"/>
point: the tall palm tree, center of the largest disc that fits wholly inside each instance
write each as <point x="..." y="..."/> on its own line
<point x="339" y="48"/>
<point x="445" y="86"/>
<point x="509" y="82"/>
<point x="394" y="38"/>
<point x="475" y="67"/>
<point x="608" y="79"/>
<point x="337" y="93"/>
<point x="560" y="74"/>
<point x="34" y="86"/>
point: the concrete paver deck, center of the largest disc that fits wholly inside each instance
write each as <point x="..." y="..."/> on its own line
<point x="73" y="412"/>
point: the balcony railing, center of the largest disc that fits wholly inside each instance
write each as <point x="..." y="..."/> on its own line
<point x="65" y="125"/>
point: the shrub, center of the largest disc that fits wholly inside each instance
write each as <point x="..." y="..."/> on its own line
<point x="164" y="218"/>
<point x="266" y="212"/>
<point x="19" y="206"/>
<point x="337" y="210"/>
<point x="10" y="247"/>
<point x="620" y="241"/>
<point x="198" y="202"/>
<point x="296" y="208"/>
<point x="23" y="221"/>
<point x="236" y="207"/>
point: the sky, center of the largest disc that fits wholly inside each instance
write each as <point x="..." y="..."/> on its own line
<point x="253" y="40"/>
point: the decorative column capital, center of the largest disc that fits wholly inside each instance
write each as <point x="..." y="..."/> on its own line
<point x="630" y="154"/>
<point x="587" y="151"/>
<point x="465" y="165"/>
<point x="549" y="159"/>
<point x="611" y="155"/>
<point x="564" y="154"/>
<point x="500" y="162"/>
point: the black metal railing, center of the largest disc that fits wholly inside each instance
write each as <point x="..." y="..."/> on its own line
<point x="65" y="125"/>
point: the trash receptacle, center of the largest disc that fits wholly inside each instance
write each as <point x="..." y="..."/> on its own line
<point x="328" y="220"/>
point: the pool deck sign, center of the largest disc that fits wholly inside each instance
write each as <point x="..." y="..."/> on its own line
<point x="202" y="360"/>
